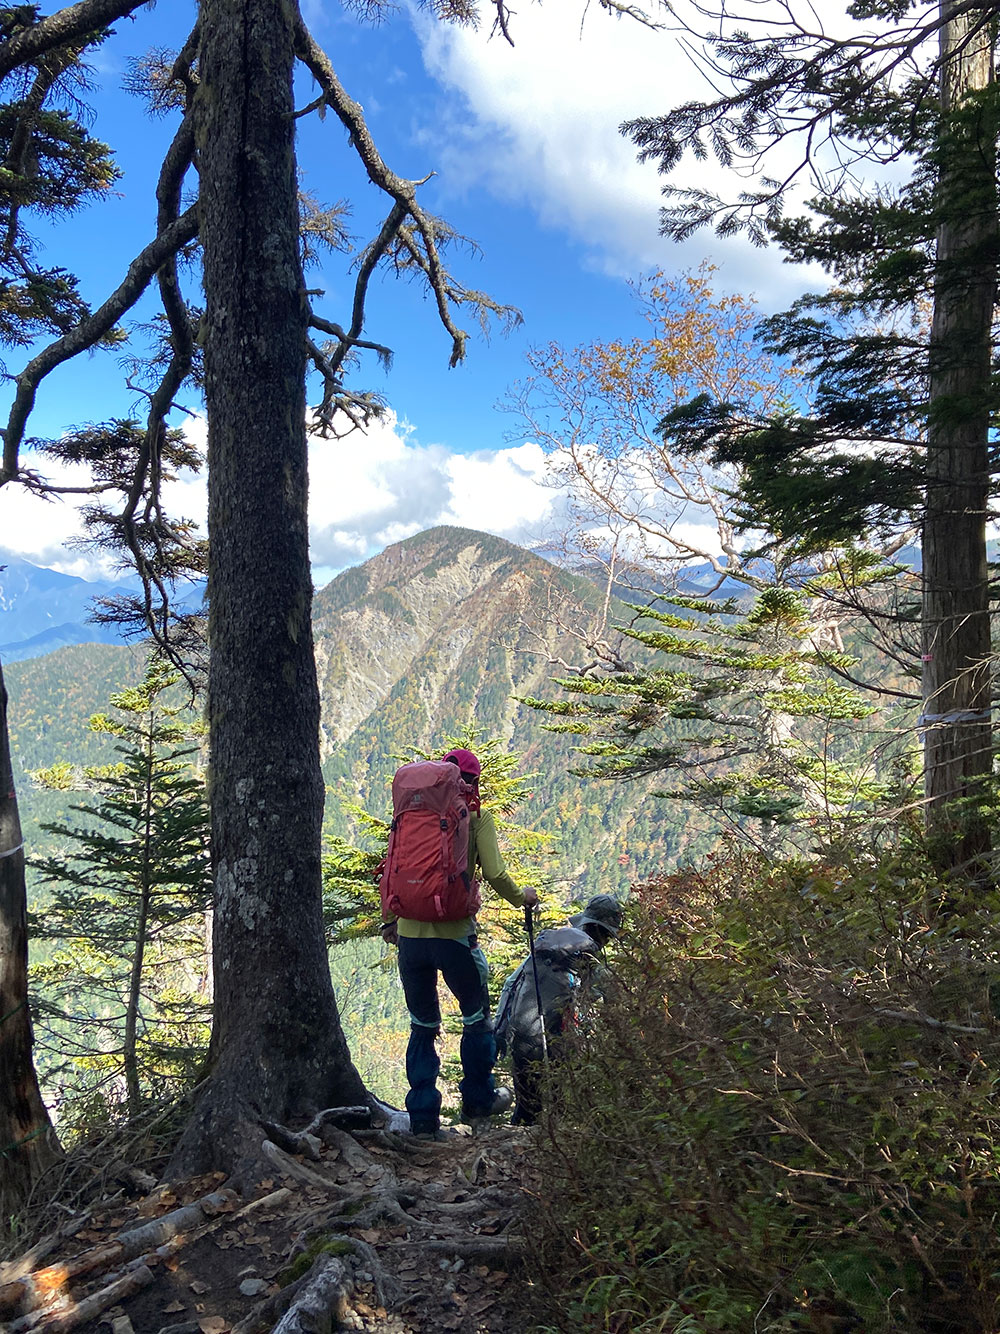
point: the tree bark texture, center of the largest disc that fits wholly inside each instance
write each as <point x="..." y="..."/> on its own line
<point x="956" y="616"/>
<point x="28" y="1143"/>
<point x="278" y="1050"/>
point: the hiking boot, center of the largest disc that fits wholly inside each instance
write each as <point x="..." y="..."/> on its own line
<point x="434" y="1136"/>
<point x="502" y="1100"/>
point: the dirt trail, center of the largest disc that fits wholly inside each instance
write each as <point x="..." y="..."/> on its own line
<point x="385" y="1232"/>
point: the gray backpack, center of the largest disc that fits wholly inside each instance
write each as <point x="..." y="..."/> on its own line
<point x="561" y="953"/>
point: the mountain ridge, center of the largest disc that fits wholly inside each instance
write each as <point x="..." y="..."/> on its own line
<point x="438" y="633"/>
<point x="447" y="630"/>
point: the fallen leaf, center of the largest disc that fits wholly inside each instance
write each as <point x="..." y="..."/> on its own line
<point x="256" y="1239"/>
<point x="196" y="1285"/>
<point x="480" y="1304"/>
<point x="481" y="1271"/>
<point x="173" y="1308"/>
<point x="370" y="1235"/>
<point x="213" y="1324"/>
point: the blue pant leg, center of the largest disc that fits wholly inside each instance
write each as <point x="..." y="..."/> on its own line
<point x="463" y="973"/>
<point x="418" y="974"/>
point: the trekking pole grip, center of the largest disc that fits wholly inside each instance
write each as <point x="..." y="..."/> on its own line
<point x="528" y="922"/>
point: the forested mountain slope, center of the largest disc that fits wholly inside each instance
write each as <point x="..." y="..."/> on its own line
<point x="443" y="631"/>
<point x="434" y="634"/>
<point x="51" y="699"/>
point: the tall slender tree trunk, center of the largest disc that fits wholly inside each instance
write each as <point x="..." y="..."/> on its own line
<point x="130" y="1054"/>
<point x="956" y="618"/>
<point x="278" y="1050"/>
<point x="28" y="1144"/>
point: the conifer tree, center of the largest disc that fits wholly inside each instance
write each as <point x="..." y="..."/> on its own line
<point x="126" y="986"/>
<point x="901" y="352"/>
<point x="739" y="706"/>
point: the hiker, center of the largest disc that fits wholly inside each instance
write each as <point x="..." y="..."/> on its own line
<point x="568" y="970"/>
<point x="435" y="931"/>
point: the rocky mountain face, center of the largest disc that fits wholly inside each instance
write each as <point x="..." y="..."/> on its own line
<point x="423" y="619"/>
<point x="444" y="631"/>
<point x="438" y="633"/>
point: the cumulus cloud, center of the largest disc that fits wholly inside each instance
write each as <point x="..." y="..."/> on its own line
<point x="543" y="127"/>
<point x="537" y="123"/>
<point x="38" y="530"/>
<point x="380" y="487"/>
<point x="366" y="491"/>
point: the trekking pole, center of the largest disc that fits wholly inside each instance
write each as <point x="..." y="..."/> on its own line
<point x="529" y="926"/>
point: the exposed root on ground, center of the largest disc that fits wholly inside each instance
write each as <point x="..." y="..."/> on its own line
<point x="370" y="1221"/>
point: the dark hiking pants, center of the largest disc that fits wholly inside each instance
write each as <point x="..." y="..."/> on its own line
<point x="462" y="965"/>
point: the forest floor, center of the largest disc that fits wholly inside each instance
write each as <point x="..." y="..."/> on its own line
<point x="380" y="1231"/>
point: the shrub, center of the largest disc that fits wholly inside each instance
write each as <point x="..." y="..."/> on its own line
<point x="786" y="1117"/>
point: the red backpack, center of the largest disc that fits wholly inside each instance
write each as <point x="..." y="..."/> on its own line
<point x="426" y="876"/>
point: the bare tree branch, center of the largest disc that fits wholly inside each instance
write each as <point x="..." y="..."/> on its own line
<point x="90" y="331"/>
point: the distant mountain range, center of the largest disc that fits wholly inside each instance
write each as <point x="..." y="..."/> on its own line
<point x="42" y="610"/>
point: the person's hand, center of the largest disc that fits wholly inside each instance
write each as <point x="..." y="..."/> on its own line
<point x="530" y="898"/>
<point x="390" y="933"/>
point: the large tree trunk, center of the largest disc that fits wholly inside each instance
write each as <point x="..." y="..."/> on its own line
<point x="28" y="1144"/>
<point x="278" y="1051"/>
<point x="956" y="619"/>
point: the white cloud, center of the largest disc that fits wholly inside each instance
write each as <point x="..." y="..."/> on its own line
<point x="538" y="124"/>
<point x="38" y="529"/>
<point x="366" y="491"/>
<point x="373" y="489"/>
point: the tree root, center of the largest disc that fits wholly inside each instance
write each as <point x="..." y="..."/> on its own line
<point x="89" y="1308"/>
<point x="509" y="1249"/>
<point x="321" y="1294"/>
<point x="308" y="1140"/>
<point x="265" y="1313"/>
<point x="36" y="1289"/>
<point x="288" y="1166"/>
<point x="321" y="1300"/>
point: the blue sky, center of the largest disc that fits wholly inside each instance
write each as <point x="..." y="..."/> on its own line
<point x="528" y="163"/>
